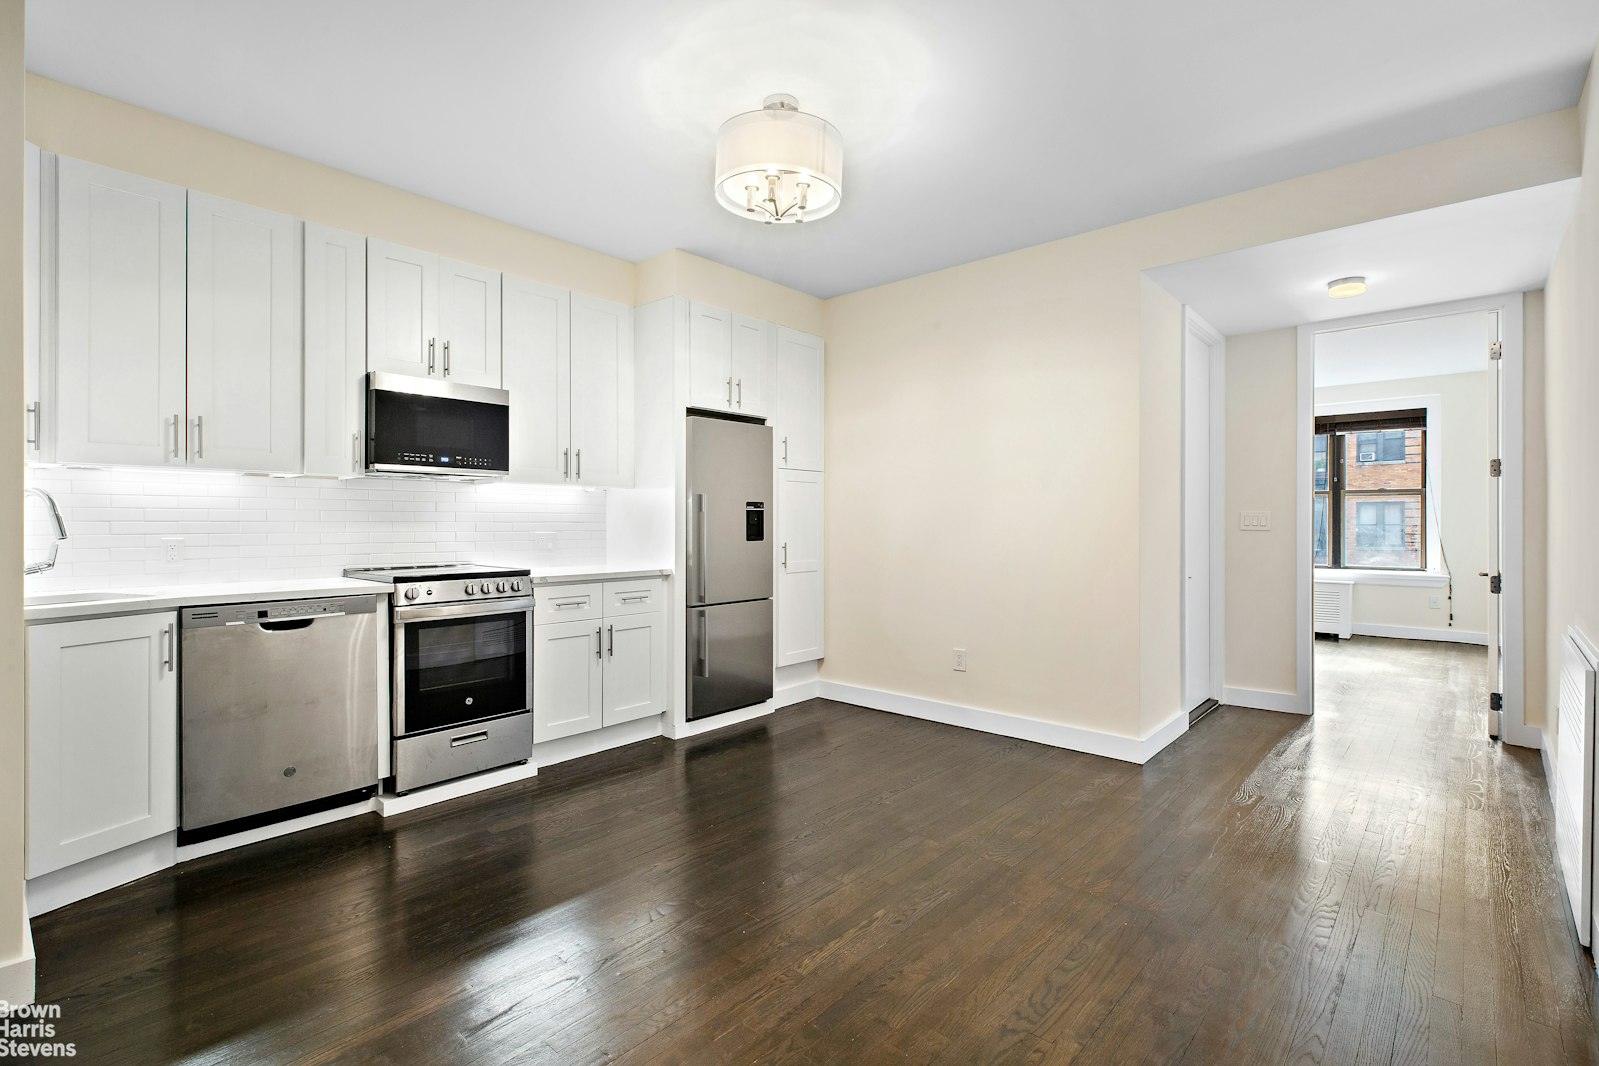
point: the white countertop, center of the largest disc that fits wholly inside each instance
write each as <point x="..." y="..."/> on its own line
<point x="571" y="575"/>
<point x="97" y="603"/>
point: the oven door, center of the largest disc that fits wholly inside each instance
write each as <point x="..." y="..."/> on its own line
<point x="461" y="663"/>
<point x="420" y="426"/>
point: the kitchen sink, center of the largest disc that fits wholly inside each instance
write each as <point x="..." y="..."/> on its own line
<point x="50" y="599"/>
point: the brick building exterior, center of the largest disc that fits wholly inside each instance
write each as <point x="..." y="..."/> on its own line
<point x="1384" y="531"/>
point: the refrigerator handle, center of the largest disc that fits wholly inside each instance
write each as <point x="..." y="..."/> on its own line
<point x="703" y="653"/>
<point x="698" y="542"/>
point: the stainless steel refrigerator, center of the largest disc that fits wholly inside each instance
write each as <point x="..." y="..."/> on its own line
<point x="729" y="565"/>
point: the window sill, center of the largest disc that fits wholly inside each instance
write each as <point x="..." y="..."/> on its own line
<point x="1395" y="578"/>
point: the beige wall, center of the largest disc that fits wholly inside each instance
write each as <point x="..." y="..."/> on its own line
<point x="1571" y="419"/>
<point x="964" y="509"/>
<point x="1459" y="440"/>
<point x="1261" y="475"/>
<point x="75" y="122"/>
<point x="16" y="971"/>
<point x="678" y="273"/>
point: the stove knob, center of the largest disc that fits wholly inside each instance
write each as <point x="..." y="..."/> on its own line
<point x="516" y="586"/>
<point x="503" y="587"/>
<point x="470" y="589"/>
<point x="412" y="593"/>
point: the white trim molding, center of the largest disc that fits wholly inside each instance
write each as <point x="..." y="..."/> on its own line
<point x="789" y="695"/>
<point x="1450" y="636"/>
<point x="1056" y="734"/>
<point x="1261" y="700"/>
<point x="17" y="975"/>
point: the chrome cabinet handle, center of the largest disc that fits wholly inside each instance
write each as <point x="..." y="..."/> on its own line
<point x="199" y="436"/>
<point x="740" y="384"/>
<point x="785" y="555"/>
<point x="579" y="465"/>
<point x="610" y="637"/>
<point x="177" y="436"/>
<point x="32" y="411"/>
<point x="599" y="643"/>
<point x="785" y="449"/>
<point x="355" y="451"/>
<point x="561" y="605"/>
<point x="566" y="464"/>
<point x="640" y="598"/>
<point x="430" y="355"/>
<point x="169" y="639"/>
<point x="446" y="358"/>
<point x="730" y="392"/>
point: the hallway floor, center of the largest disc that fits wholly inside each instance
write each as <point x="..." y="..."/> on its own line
<point x="831" y="885"/>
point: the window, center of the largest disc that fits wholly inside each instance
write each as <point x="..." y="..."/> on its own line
<point x="1369" y="475"/>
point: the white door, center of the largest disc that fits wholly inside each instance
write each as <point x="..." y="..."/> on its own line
<point x="567" y="678"/>
<point x="102" y="737"/>
<point x="602" y="392"/>
<point x="1200" y="348"/>
<point x="754" y="354"/>
<point x="537" y="358"/>
<point x="636" y="675"/>
<point x="710" y="358"/>
<point x="118" y="322"/>
<point x="335" y="351"/>
<point x="1496" y="599"/>
<point x="402" y="299"/>
<point x="469" y="324"/>
<point x="245" y="403"/>
<point x="799" y="400"/>
<point x="799" y="566"/>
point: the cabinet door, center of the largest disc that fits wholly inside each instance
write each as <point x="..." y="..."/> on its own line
<point x="636" y="677"/>
<point x="710" y="358"/>
<point x="32" y="276"/>
<point x="754" y="358"/>
<point x="402" y="299"/>
<point x="469" y="324"/>
<point x="567" y="669"/>
<point x="119" y="317"/>
<point x="102" y="769"/>
<point x="799" y="400"/>
<point x="246" y="410"/>
<point x="799" y="566"/>
<point x="602" y="392"/>
<point x="335" y="351"/>
<point x="537" y="353"/>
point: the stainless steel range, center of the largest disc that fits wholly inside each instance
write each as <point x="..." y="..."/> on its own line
<point x="462" y="654"/>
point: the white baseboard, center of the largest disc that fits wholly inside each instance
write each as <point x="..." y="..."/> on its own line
<point x="17" y="975"/>
<point x="1262" y="700"/>
<point x="1091" y="741"/>
<point x="389" y="806"/>
<point x="270" y="832"/>
<point x="1548" y="764"/>
<point x="557" y="751"/>
<point x="1452" y="636"/>
<point x="792" y="694"/>
<point x="684" y="730"/>
<point x="90" y="877"/>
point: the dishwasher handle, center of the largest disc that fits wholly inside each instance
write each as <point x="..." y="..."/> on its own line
<point x="287" y="624"/>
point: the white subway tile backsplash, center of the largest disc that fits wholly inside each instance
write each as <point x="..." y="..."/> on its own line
<point x="237" y="528"/>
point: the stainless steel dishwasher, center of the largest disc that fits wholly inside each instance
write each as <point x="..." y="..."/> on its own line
<point x="280" y="710"/>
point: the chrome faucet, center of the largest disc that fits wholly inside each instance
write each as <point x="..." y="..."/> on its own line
<point x="61" y="532"/>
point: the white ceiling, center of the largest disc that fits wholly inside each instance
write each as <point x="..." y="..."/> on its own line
<point x="970" y="129"/>
<point x="1497" y="244"/>
<point x="1417" y="348"/>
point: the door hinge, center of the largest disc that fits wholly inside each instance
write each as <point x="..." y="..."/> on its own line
<point x="1496" y="468"/>
<point x="1496" y="584"/>
<point x="1496" y="350"/>
<point x="1496" y="701"/>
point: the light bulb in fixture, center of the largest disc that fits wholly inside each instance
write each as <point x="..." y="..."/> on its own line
<point x="1344" y="288"/>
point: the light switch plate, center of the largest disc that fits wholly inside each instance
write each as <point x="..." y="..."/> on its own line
<point x="1254" y="521"/>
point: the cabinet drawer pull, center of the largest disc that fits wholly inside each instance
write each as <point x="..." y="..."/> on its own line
<point x="561" y="605"/>
<point x="469" y="738"/>
<point x="640" y="598"/>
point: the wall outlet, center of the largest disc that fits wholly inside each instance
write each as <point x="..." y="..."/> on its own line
<point x="960" y="659"/>
<point x="1254" y="521"/>
<point x="1435" y="602"/>
<point x="171" y="551"/>
<point x="544" y="542"/>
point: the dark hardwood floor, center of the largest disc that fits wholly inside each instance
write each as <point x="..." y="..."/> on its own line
<point x="835" y="885"/>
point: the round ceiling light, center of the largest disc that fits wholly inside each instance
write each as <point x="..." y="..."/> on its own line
<point x="779" y="164"/>
<point x="1344" y="288"/>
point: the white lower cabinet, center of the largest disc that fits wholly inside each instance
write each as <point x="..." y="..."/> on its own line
<point x="102" y="759"/>
<point x="601" y="669"/>
<point x="799" y="566"/>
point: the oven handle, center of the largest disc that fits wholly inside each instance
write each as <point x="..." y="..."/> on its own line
<point x="483" y="609"/>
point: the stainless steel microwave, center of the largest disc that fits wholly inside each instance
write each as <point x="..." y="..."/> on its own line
<point x="417" y="427"/>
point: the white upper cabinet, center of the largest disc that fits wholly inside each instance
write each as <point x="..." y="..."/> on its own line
<point x="798" y="422"/>
<point x="402" y="305"/>
<point x="602" y="392"/>
<point x="335" y="351"/>
<point x="469" y="324"/>
<point x="710" y="358"/>
<point x="754" y="347"/>
<point x="245" y="404"/>
<point x="115" y="334"/>
<point x="431" y="317"/>
<point x="536" y="333"/>
<point x="799" y="566"/>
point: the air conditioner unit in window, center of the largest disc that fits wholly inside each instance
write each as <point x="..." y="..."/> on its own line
<point x="1366" y="457"/>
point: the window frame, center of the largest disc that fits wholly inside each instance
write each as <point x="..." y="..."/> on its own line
<point x="1336" y="429"/>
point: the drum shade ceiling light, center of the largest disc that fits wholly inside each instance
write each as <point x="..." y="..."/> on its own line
<point x="779" y="164"/>
<point x="1344" y="288"/>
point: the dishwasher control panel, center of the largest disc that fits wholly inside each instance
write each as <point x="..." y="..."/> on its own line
<point x="240" y="614"/>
